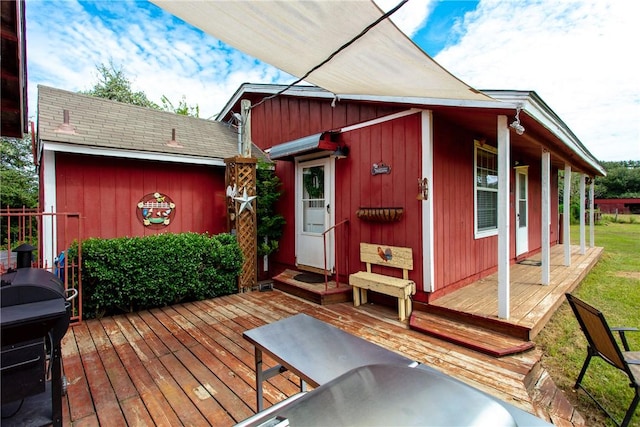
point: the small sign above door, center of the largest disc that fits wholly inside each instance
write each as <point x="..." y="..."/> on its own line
<point x="380" y="168"/>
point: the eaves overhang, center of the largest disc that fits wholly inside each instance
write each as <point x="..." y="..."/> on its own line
<point x="305" y="145"/>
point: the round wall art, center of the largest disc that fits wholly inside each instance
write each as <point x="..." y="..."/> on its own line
<point x="156" y="210"/>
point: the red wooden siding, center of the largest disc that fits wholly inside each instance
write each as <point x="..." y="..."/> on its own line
<point x="284" y="119"/>
<point x="460" y="258"/>
<point x="106" y="191"/>
<point x="397" y="144"/>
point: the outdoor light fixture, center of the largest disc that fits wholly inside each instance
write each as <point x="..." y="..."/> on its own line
<point x="341" y="152"/>
<point x="515" y="125"/>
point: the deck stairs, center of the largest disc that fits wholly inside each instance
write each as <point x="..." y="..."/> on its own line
<point x="475" y="332"/>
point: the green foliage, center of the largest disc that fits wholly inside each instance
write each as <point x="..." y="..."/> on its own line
<point x="129" y="274"/>
<point x="182" y="109"/>
<point x="622" y="181"/>
<point x="113" y="84"/>
<point x="18" y="183"/>
<point x="270" y="224"/>
<point x="18" y="178"/>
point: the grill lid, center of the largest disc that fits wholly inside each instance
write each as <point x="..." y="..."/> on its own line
<point x="27" y="285"/>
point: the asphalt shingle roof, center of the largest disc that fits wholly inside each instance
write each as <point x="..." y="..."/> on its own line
<point x="103" y="123"/>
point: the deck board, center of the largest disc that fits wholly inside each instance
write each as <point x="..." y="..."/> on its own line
<point x="188" y="364"/>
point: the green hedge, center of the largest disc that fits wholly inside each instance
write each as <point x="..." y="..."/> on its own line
<point x="135" y="273"/>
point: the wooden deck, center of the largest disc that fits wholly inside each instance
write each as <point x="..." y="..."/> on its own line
<point x="531" y="304"/>
<point x="189" y="365"/>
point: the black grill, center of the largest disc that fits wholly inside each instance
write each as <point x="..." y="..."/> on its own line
<point x="34" y="316"/>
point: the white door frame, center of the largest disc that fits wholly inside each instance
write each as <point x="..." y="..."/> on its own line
<point x="310" y="245"/>
<point x="522" y="231"/>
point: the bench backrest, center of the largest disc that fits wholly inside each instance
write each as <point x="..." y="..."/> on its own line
<point x="388" y="256"/>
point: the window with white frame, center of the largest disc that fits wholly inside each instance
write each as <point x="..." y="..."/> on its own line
<point x="486" y="190"/>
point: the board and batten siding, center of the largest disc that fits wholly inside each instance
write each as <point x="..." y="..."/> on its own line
<point x="284" y="119"/>
<point x="395" y="143"/>
<point x="106" y="191"/>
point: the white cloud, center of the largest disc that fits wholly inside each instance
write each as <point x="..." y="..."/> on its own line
<point x="159" y="55"/>
<point x="577" y="55"/>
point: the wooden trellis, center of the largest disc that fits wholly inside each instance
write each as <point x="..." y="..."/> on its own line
<point x="241" y="177"/>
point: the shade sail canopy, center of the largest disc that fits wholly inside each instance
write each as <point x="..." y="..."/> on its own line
<point x="303" y="145"/>
<point x="296" y="36"/>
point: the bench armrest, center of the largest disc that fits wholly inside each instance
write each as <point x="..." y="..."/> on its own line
<point x="621" y="331"/>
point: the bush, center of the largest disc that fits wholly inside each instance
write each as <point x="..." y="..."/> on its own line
<point x="135" y="273"/>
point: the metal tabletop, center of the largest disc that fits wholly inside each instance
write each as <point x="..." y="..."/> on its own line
<point x="392" y="395"/>
<point x="315" y="351"/>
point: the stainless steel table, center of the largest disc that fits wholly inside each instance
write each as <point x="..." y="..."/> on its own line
<point x="313" y="350"/>
<point x="392" y="395"/>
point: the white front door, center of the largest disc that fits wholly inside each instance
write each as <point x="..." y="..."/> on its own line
<point x="314" y="214"/>
<point x="522" y="210"/>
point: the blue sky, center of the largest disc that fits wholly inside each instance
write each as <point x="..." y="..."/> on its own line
<point x="578" y="55"/>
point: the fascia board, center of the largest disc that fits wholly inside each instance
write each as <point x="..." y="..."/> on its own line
<point x="130" y="154"/>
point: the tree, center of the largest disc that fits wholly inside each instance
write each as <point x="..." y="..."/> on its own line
<point x="270" y="224"/>
<point x="18" y="178"/>
<point x="622" y="180"/>
<point x="113" y="84"/>
<point x="182" y="108"/>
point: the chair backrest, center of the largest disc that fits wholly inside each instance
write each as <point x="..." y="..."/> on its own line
<point x="387" y="256"/>
<point x="597" y="332"/>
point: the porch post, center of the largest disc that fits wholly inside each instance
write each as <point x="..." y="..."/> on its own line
<point x="566" y="210"/>
<point x="49" y="230"/>
<point x="592" y="225"/>
<point x="503" y="217"/>
<point x="583" y="238"/>
<point x="546" y="216"/>
<point x="428" y="275"/>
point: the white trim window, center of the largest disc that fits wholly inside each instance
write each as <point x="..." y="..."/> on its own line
<point x="485" y="190"/>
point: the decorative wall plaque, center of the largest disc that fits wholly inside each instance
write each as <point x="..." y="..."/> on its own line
<point x="156" y="210"/>
<point x="380" y="168"/>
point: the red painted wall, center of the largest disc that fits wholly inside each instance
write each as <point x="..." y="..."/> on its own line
<point x="397" y="144"/>
<point x="459" y="257"/>
<point x="284" y="119"/>
<point x="106" y="192"/>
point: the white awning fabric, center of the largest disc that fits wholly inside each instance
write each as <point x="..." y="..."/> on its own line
<point x="295" y="36"/>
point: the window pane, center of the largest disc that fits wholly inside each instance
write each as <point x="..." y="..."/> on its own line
<point x="487" y="210"/>
<point x="487" y="190"/>
<point x="313" y="207"/>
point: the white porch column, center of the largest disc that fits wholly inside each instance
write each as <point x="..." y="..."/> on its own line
<point x="428" y="275"/>
<point x="583" y="235"/>
<point x="546" y="217"/>
<point x="566" y="203"/>
<point x="592" y="225"/>
<point x="49" y="228"/>
<point x="503" y="217"/>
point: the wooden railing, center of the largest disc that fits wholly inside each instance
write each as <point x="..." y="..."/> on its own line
<point x="25" y="225"/>
<point x="344" y="223"/>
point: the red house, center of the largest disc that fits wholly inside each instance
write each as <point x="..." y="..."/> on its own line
<point x="443" y="174"/>
<point x="128" y="170"/>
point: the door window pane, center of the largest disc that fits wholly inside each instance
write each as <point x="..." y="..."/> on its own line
<point x="313" y="200"/>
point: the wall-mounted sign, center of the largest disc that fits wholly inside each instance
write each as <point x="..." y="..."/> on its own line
<point x="156" y="210"/>
<point x="380" y="168"/>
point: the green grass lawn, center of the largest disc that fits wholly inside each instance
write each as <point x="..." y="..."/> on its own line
<point x="613" y="287"/>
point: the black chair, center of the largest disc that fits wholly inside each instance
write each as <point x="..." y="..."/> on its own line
<point x="602" y="343"/>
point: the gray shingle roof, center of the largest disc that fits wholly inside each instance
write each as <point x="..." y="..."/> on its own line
<point x="103" y="123"/>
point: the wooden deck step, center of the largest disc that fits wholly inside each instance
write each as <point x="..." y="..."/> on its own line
<point x="467" y="335"/>
<point x="317" y="293"/>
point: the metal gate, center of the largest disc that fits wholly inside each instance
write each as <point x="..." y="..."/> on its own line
<point x="52" y="234"/>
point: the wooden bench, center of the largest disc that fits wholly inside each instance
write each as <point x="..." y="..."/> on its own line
<point x="387" y="256"/>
